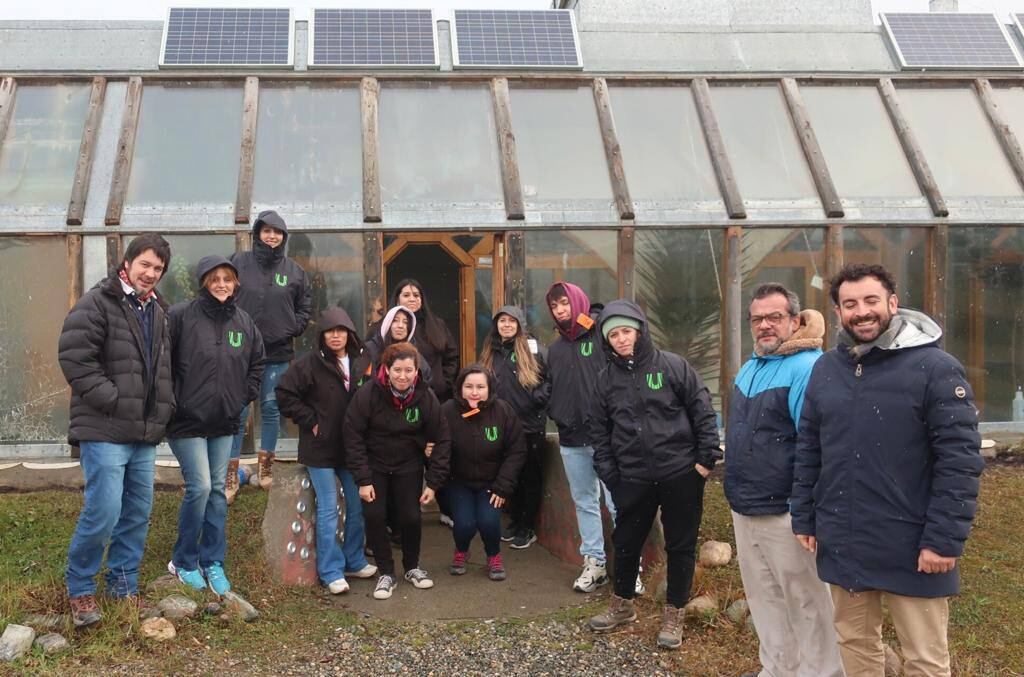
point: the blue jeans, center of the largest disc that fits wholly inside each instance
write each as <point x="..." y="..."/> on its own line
<point x="334" y="559"/>
<point x="472" y="512"/>
<point x="204" y="510"/>
<point x="586" y="488"/>
<point x="118" y="500"/>
<point x="270" y="415"/>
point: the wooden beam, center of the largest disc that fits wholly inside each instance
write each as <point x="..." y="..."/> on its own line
<point x="510" y="181"/>
<point x="247" y="156"/>
<point x="243" y="241"/>
<point x="612" y="150"/>
<point x="833" y="263"/>
<point x="83" y="169"/>
<point x="918" y="163"/>
<point x="515" y="269"/>
<point x="369" y="94"/>
<point x="498" y="272"/>
<point x="125" y="151"/>
<point x="8" y="90"/>
<point x="1007" y="139"/>
<point x="812" y="150"/>
<point x="936" y="270"/>
<point x="716" y="148"/>
<point x="732" y="314"/>
<point x="627" y="263"/>
<point x="113" y="251"/>
<point x="467" y="286"/>
<point x="373" y="275"/>
<point x="74" y="269"/>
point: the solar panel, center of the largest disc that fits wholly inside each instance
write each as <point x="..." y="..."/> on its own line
<point x="950" y="40"/>
<point x="523" y="39"/>
<point x="208" y="37"/>
<point x="373" y="37"/>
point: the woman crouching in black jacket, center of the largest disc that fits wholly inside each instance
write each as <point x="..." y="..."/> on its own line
<point x="488" y="451"/>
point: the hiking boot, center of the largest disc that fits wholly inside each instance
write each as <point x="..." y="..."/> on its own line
<point x="231" y="482"/>
<point x="620" y="611"/>
<point x="495" y="568"/>
<point x="266" y="469"/>
<point x="216" y="579"/>
<point x="338" y="587"/>
<point x="84" y="611"/>
<point x="592" y="577"/>
<point x="509" y="532"/>
<point x="523" y="539"/>
<point x="190" y="577"/>
<point x="368" y="571"/>
<point x="671" y="634"/>
<point x="459" y="560"/>
<point x="419" y="578"/>
<point x="385" y="584"/>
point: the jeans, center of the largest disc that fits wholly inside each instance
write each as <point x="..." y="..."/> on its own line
<point x="204" y="509"/>
<point x="471" y="512"/>
<point x="118" y="500"/>
<point x="333" y="559"/>
<point x="270" y="415"/>
<point x="585" y="488"/>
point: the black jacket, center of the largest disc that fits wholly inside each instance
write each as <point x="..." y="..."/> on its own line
<point x="114" y="397"/>
<point x="375" y="345"/>
<point x="530" y="405"/>
<point x="573" y="367"/>
<point x="887" y="463"/>
<point x="443" y="362"/>
<point x="652" y="418"/>
<point x="488" y="448"/>
<point x="274" y="291"/>
<point x="381" y="436"/>
<point x="313" y="392"/>
<point x="218" y="362"/>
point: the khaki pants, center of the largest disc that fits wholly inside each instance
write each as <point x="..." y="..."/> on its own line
<point x="790" y="605"/>
<point x="920" y="622"/>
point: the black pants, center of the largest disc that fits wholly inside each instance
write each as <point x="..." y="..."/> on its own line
<point x="681" y="500"/>
<point x="525" y="503"/>
<point x="403" y="493"/>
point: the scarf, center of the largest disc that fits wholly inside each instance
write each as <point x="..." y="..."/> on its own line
<point x="144" y="299"/>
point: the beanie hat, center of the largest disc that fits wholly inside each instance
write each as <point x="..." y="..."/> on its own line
<point x="616" y="321"/>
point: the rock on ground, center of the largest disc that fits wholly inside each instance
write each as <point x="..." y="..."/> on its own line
<point x="893" y="662"/>
<point x="738" y="611"/>
<point x="704" y="606"/>
<point x="46" y="621"/>
<point x="16" y="642"/>
<point x="715" y="554"/>
<point x="164" y="583"/>
<point x="237" y="605"/>
<point x="177" y="607"/>
<point x="158" y="629"/>
<point x="212" y="609"/>
<point x="52" y="643"/>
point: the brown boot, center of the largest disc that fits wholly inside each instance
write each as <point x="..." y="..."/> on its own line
<point x="671" y="634"/>
<point x="620" y="611"/>
<point x="84" y="611"/>
<point x="231" y="483"/>
<point x="266" y="469"/>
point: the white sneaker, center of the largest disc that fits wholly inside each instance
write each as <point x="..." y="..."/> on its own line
<point x="447" y="521"/>
<point x="368" y="571"/>
<point x="419" y="578"/>
<point x="592" y="577"/>
<point x="639" y="588"/>
<point x="385" y="584"/>
<point x="337" y="587"/>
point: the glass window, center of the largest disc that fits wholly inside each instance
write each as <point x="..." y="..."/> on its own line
<point x="33" y="393"/>
<point x="985" y="319"/>
<point x="678" y="284"/>
<point x="309" y="148"/>
<point x="561" y="155"/>
<point x="587" y="258"/>
<point x="957" y="140"/>
<point x="438" y="143"/>
<point x="859" y="143"/>
<point x="763" y="147"/>
<point x="179" y="282"/>
<point x="188" y="145"/>
<point x="334" y="267"/>
<point x="902" y="251"/>
<point x="40" y="151"/>
<point x="663" y="146"/>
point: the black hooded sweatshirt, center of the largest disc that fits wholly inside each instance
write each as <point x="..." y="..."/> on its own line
<point x="529" y="404"/>
<point x="315" y="392"/>
<point x="652" y="417"/>
<point x="488" y="447"/>
<point x="274" y="290"/>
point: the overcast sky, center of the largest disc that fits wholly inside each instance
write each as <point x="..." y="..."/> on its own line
<point x="156" y="9"/>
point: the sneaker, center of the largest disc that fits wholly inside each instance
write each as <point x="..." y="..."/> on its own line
<point x="509" y="532"/>
<point x="639" y="588"/>
<point x="337" y="587"/>
<point x="524" y="538"/>
<point x="231" y="482"/>
<point x="671" y="634"/>
<point x="368" y="571"/>
<point x="495" y="568"/>
<point x="385" y="584"/>
<point x="265" y="469"/>
<point x="193" y="578"/>
<point x="620" y="611"/>
<point x="419" y="578"/>
<point x="459" y="560"/>
<point x="216" y="579"/>
<point x="592" y="577"/>
<point x="84" y="611"/>
<point x="447" y="521"/>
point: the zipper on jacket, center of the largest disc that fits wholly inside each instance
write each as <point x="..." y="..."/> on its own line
<point x="859" y="370"/>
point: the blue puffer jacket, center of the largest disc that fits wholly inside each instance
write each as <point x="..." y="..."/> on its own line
<point x="887" y="463"/>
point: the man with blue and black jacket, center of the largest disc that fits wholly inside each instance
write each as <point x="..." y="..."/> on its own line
<point x="791" y="609"/>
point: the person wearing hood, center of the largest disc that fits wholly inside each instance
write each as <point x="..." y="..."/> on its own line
<point x="791" y="609"/>
<point x="218" y="361"/>
<point x="315" y="393"/>
<point x="276" y="293"/>
<point x="398" y="325"/>
<point x="885" y="484"/>
<point x="487" y="455"/>
<point x="519" y="364"/>
<point x="392" y="426"/>
<point x="434" y="340"/>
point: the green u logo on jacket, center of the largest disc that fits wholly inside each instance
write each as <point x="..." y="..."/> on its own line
<point x="235" y="339"/>
<point x="654" y="381"/>
<point x="412" y="415"/>
<point x="587" y="348"/>
<point x="281" y="280"/>
<point x="492" y="433"/>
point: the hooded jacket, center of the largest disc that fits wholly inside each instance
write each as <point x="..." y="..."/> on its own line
<point x="384" y="436"/>
<point x="218" y="359"/>
<point x="764" y="411"/>
<point x="652" y="418"/>
<point x="274" y="290"/>
<point x="530" y="405"/>
<point x="114" y="397"/>
<point x="887" y="463"/>
<point x="488" y="447"/>
<point x="380" y="338"/>
<point x="315" y="392"/>
<point x="574" y="359"/>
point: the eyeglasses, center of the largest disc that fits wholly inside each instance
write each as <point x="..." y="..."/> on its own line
<point x="774" y="318"/>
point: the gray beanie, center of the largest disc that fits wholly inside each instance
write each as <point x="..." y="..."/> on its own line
<point x="616" y="321"/>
